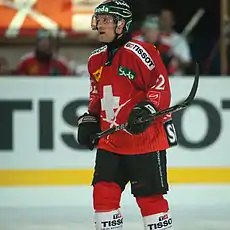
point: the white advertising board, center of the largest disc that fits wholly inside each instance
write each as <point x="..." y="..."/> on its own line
<point x="38" y="116"/>
<point x="204" y="126"/>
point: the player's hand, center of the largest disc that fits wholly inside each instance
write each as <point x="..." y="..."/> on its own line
<point x="139" y="111"/>
<point x="88" y="126"/>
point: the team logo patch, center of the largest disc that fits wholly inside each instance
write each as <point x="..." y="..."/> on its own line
<point x="97" y="74"/>
<point x="33" y="69"/>
<point x="141" y="53"/>
<point x="164" y="222"/>
<point x="102" y="9"/>
<point x="170" y="133"/>
<point x="124" y="72"/>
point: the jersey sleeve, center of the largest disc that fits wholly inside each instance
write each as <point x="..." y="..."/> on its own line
<point x="65" y="71"/>
<point x="21" y="68"/>
<point x="156" y="82"/>
<point x="94" y="100"/>
<point x="182" y="50"/>
<point x="63" y="65"/>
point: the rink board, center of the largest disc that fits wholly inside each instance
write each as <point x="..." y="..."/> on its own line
<point x="84" y="176"/>
<point x="37" y="146"/>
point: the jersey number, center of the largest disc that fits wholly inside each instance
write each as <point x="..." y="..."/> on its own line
<point x="160" y="83"/>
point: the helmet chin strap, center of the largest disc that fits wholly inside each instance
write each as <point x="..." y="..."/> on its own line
<point x="115" y="39"/>
<point x="116" y="34"/>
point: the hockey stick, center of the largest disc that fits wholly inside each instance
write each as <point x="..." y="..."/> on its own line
<point x="150" y="117"/>
<point x="193" y="22"/>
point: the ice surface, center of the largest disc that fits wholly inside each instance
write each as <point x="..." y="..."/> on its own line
<point x="193" y="207"/>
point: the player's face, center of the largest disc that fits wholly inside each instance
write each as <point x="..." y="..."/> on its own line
<point x="166" y="19"/>
<point x="45" y="45"/>
<point x="106" y="28"/>
<point x="151" y="35"/>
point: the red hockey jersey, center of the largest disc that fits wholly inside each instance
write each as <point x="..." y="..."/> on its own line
<point x="29" y="65"/>
<point x="136" y="74"/>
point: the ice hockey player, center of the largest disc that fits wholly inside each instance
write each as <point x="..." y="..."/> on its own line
<point x="128" y="81"/>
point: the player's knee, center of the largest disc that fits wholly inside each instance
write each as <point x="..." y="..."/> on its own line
<point x="106" y="196"/>
<point x="153" y="204"/>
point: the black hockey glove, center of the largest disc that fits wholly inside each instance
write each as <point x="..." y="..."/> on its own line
<point x="88" y="126"/>
<point x="140" y="110"/>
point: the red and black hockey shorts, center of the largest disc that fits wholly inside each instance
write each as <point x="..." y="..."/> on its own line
<point x="147" y="173"/>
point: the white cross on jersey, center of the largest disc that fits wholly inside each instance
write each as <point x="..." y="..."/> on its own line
<point x="109" y="102"/>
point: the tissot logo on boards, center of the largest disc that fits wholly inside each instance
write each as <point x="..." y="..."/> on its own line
<point x="47" y="115"/>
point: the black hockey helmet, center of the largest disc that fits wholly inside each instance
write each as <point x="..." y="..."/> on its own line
<point x="119" y="9"/>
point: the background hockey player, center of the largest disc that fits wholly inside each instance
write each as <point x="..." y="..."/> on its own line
<point x="128" y="81"/>
<point x="44" y="59"/>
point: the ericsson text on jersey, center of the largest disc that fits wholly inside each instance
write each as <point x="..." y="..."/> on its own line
<point x="141" y="53"/>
